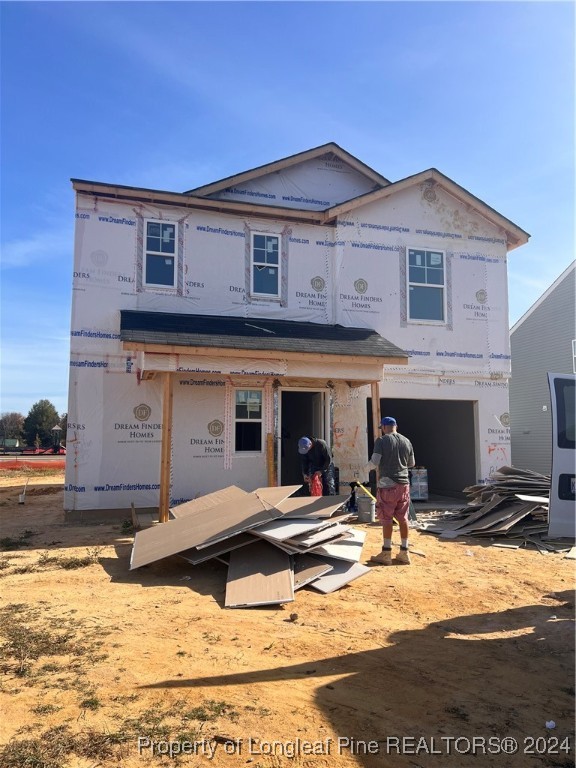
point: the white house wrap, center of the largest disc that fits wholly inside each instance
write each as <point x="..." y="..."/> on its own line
<point x="316" y="240"/>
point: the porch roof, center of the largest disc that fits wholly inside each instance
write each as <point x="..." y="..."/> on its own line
<point x="250" y="334"/>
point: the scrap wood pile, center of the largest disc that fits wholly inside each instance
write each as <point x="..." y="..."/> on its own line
<point x="271" y="543"/>
<point x="512" y="510"/>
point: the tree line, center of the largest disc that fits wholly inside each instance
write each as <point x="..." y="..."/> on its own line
<point x="36" y="430"/>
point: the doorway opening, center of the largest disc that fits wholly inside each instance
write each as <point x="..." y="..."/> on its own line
<point x="302" y="413"/>
<point x="443" y="433"/>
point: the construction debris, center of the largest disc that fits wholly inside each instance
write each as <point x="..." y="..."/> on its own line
<point x="510" y="511"/>
<point x="271" y="542"/>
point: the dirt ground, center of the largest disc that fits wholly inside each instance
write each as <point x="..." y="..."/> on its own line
<point x="465" y="658"/>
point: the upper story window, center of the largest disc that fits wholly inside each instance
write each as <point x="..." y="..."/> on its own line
<point x="265" y="265"/>
<point x="426" y="285"/>
<point x="160" y="254"/>
<point x="248" y="420"/>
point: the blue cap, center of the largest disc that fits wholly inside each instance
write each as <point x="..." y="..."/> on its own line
<point x="388" y="421"/>
<point x="304" y="445"/>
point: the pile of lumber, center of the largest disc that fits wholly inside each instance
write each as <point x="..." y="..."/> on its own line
<point x="271" y="543"/>
<point x="512" y="510"/>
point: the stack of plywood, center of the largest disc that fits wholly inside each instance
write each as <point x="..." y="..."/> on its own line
<point x="271" y="543"/>
<point x="511" y="510"/>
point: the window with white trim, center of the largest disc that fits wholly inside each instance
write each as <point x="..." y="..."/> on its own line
<point x="160" y="256"/>
<point x="426" y="285"/>
<point x="248" y="421"/>
<point x="265" y="265"/>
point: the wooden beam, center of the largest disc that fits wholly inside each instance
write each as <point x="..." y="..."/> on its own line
<point x="271" y="469"/>
<point x="375" y="386"/>
<point x="376" y="416"/>
<point x="264" y="354"/>
<point x="165" y="450"/>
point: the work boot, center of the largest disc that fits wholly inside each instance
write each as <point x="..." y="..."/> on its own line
<point x="384" y="558"/>
<point x="403" y="557"/>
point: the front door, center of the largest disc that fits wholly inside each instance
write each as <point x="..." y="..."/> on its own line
<point x="302" y="414"/>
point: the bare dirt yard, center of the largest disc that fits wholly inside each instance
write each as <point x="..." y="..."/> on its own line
<point x="463" y="659"/>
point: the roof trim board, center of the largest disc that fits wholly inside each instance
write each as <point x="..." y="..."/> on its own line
<point x="287" y="162"/>
<point x="124" y="193"/>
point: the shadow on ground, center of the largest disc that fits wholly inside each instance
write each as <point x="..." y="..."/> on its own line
<point x="446" y="681"/>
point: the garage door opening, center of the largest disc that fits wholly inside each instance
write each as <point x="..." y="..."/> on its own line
<point x="443" y="434"/>
<point x="301" y="413"/>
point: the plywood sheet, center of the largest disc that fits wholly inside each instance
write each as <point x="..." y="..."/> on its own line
<point x="208" y="501"/>
<point x="311" y="506"/>
<point x="198" y="529"/>
<point x="307" y="569"/>
<point x="275" y="495"/>
<point x="317" y="537"/>
<point x="502" y="515"/>
<point x="259" y="574"/>
<point x="500" y="520"/>
<point x="195" y="555"/>
<point x="509" y="543"/>
<point x="536" y="499"/>
<point x="349" y="549"/>
<point x="342" y="573"/>
<point x="282" y="528"/>
<point x="294" y="549"/>
<point x="494" y="502"/>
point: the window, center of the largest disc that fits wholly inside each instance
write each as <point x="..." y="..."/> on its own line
<point x="265" y="265"/>
<point x="160" y="254"/>
<point x="248" y="420"/>
<point x="426" y="282"/>
<point x="565" y="401"/>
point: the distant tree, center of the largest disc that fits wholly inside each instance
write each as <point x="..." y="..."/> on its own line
<point x="64" y="425"/>
<point x="11" y="425"/>
<point x="39" y="422"/>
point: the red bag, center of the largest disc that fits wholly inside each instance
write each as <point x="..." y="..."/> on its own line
<point x="316" y="485"/>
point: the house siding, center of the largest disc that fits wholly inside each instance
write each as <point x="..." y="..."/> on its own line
<point x="542" y="343"/>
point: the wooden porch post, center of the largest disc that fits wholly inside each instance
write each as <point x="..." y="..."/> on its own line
<point x="375" y="386"/>
<point x="270" y="460"/>
<point x="165" y="450"/>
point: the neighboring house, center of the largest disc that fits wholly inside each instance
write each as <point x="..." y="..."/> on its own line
<point x="542" y="342"/>
<point x="213" y="328"/>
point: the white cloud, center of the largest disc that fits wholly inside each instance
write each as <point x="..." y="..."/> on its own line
<point x="43" y="245"/>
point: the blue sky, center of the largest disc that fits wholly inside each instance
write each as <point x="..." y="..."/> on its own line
<point x="173" y="95"/>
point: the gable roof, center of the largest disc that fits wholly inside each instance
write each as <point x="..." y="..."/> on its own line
<point x="198" y="198"/>
<point x="514" y="234"/>
<point x="310" y="154"/>
<point x="544" y="296"/>
<point x="173" y="329"/>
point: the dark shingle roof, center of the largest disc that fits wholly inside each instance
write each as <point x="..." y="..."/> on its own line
<point x="252" y="333"/>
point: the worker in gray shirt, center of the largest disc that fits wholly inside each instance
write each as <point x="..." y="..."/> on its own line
<point x="393" y="455"/>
